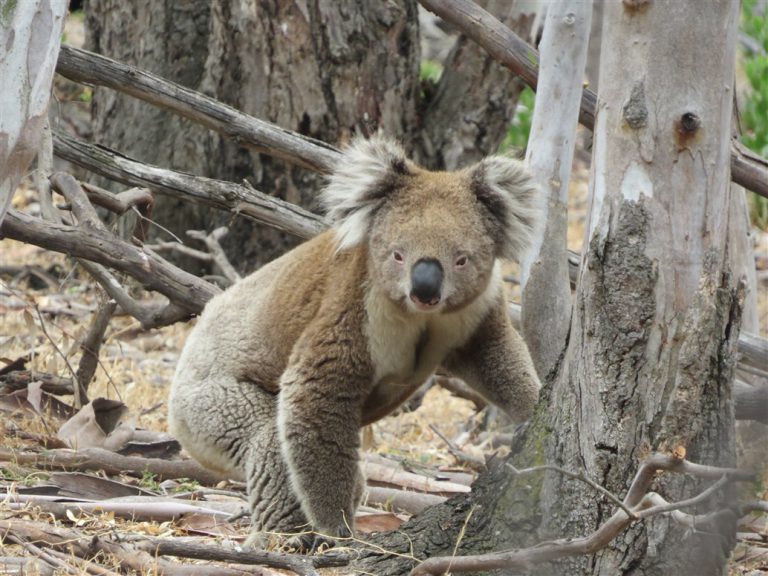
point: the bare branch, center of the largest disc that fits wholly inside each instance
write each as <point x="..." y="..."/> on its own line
<point x="635" y="505"/>
<point x="581" y="478"/>
<point x="184" y="289"/>
<point x="111" y="463"/>
<point x="226" y="196"/>
<point x="89" y="68"/>
<point x="91" y="345"/>
<point x="747" y="168"/>
<point x="150" y="314"/>
<point x="217" y="252"/>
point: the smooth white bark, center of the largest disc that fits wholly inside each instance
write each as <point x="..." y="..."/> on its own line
<point x="544" y="272"/>
<point x="30" y="34"/>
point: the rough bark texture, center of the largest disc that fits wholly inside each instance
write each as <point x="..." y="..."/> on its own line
<point x="320" y="68"/>
<point x="649" y="362"/>
<point x="30" y="33"/>
<point x="468" y="114"/>
<point x="325" y="69"/>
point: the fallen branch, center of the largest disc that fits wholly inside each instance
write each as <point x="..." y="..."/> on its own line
<point x="51" y="383"/>
<point x="129" y="558"/>
<point x="404" y="501"/>
<point x="384" y="476"/>
<point x="153" y="272"/>
<point x="111" y="463"/>
<point x="298" y="563"/>
<point x="89" y="68"/>
<point x="638" y="504"/>
<point x="154" y="510"/>
<point x="752" y="349"/>
<point x="747" y="168"/>
<point x="227" y="196"/>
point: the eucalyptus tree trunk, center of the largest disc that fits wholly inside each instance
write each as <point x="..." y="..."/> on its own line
<point x="329" y="70"/>
<point x="30" y="33"/>
<point x="545" y="321"/>
<point x="468" y="113"/>
<point x="648" y="362"/>
<point x="324" y="69"/>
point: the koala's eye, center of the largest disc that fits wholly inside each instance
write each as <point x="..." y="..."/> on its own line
<point x="398" y="257"/>
<point x="461" y="261"/>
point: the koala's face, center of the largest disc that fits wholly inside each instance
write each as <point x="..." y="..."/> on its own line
<point x="429" y="248"/>
<point x="433" y="237"/>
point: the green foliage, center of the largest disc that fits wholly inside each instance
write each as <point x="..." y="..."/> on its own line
<point x="517" y="135"/>
<point x="149" y="481"/>
<point x="430" y="71"/>
<point x="754" y="115"/>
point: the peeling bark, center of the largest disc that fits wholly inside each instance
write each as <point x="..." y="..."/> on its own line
<point x="30" y="34"/>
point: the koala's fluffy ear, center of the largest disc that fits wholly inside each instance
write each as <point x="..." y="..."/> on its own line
<point x="513" y="210"/>
<point x="366" y="174"/>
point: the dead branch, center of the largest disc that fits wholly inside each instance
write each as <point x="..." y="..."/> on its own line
<point x="752" y="349"/>
<point x="129" y="558"/>
<point x="474" y="462"/>
<point x="458" y="388"/>
<point x="89" y="68"/>
<point x="638" y="503"/>
<point x="751" y="401"/>
<point x="51" y="383"/>
<point x="139" y="199"/>
<point x="212" y="242"/>
<point x="747" y="168"/>
<point x="384" y="476"/>
<point x="149" y="314"/>
<point x="182" y="288"/>
<point x="410" y="502"/>
<point x="111" y="463"/>
<point x="65" y="567"/>
<point x="581" y="478"/>
<point x="295" y="562"/>
<point x="227" y="196"/>
<point x="24" y="565"/>
<point x="154" y="510"/>
<point x="91" y="345"/>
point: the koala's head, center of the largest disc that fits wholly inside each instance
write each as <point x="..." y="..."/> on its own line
<point x="433" y="237"/>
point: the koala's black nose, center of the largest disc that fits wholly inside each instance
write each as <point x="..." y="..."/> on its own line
<point x="426" y="281"/>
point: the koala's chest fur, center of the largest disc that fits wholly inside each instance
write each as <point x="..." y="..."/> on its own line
<point x="406" y="348"/>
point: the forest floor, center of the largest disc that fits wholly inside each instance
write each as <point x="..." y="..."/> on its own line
<point x="44" y="316"/>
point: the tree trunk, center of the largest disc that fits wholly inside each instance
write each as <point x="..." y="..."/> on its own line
<point x="468" y="114"/>
<point x="563" y="49"/>
<point x="315" y="67"/>
<point x="30" y="33"/>
<point x="649" y="361"/>
<point x="325" y="69"/>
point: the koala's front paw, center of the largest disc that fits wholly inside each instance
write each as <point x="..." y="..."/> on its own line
<point x="311" y="542"/>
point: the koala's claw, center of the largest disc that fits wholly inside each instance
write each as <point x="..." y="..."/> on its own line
<point x="312" y="542"/>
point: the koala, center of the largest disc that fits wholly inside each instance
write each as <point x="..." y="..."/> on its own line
<point x="284" y="367"/>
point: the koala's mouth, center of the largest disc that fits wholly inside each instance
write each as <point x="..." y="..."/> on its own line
<point x="428" y="306"/>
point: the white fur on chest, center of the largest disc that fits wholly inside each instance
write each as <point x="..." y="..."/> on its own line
<point x="395" y="337"/>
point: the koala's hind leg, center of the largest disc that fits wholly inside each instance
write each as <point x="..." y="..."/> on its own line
<point x="231" y="427"/>
<point x="274" y="506"/>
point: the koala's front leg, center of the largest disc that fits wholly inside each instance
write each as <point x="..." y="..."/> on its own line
<point x="496" y="363"/>
<point x="319" y="417"/>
